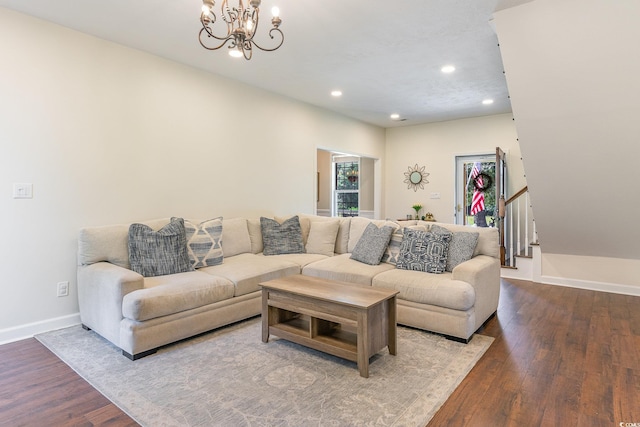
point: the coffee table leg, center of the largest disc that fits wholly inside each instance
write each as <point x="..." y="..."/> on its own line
<point x="363" y="345"/>
<point x="265" y="315"/>
<point x="392" y="332"/>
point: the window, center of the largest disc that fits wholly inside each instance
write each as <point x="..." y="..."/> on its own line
<point x="347" y="187"/>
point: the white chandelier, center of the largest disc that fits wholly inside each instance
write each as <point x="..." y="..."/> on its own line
<point x="242" y="25"/>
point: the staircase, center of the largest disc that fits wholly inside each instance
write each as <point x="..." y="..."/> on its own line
<point x="519" y="249"/>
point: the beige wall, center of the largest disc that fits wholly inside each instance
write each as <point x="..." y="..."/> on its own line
<point x="572" y="71"/>
<point x="108" y="134"/>
<point x="366" y="184"/>
<point x="435" y="146"/>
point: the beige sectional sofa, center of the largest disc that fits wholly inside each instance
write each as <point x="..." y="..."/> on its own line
<point x="140" y="314"/>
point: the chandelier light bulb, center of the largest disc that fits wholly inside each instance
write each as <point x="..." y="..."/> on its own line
<point x="235" y="53"/>
<point x="275" y="11"/>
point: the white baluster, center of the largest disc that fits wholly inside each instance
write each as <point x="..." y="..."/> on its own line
<point x="519" y="235"/>
<point x="511" y="260"/>
<point x="526" y="224"/>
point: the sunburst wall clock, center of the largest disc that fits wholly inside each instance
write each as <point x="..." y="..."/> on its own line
<point x="416" y="177"/>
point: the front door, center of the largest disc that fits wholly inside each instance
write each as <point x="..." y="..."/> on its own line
<point x="476" y="202"/>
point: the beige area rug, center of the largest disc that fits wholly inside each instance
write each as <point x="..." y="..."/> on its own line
<point x="231" y="378"/>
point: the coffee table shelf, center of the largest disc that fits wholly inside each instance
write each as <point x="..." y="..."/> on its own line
<point x="335" y="340"/>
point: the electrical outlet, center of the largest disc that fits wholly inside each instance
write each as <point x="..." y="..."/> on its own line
<point x="63" y="289"/>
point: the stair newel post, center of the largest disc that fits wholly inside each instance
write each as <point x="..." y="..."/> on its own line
<point x="501" y="213"/>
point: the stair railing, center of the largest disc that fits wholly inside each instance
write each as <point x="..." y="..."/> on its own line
<point x="517" y="227"/>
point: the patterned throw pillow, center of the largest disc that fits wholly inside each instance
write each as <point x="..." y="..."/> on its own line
<point x="392" y="252"/>
<point x="285" y="238"/>
<point x="204" y="242"/>
<point x="156" y="253"/>
<point x="372" y="244"/>
<point x="424" y="251"/>
<point x="461" y="246"/>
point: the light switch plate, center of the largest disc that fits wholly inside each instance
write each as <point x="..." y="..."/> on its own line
<point x="435" y="195"/>
<point x="22" y="191"/>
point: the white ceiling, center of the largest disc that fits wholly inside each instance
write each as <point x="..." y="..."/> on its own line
<point x="384" y="59"/>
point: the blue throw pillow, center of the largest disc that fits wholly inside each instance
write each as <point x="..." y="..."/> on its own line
<point x="285" y="238"/>
<point x="371" y="246"/>
<point x="156" y="253"/>
<point x="461" y="246"/>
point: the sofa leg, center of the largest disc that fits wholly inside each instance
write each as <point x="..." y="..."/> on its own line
<point x="458" y="339"/>
<point x="85" y="327"/>
<point x="139" y="355"/>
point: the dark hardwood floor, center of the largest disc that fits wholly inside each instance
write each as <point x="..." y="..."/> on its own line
<point x="562" y="357"/>
<point x="38" y="389"/>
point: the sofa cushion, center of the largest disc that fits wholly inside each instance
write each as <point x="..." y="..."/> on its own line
<point x="322" y="237"/>
<point x="285" y="238"/>
<point x="255" y="235"/>
<point x="423" y="251"/>
<point x="157" y="253"/>
<point x="461" y="246"/>
<point x="235" y="237"/>
<point x="164" y="295"/>
<point x="343" y="268"/>
<point x="300" y="259"/>
<point x="372" y="244"/>
<point x="204" y="242"/>
<point x="435" y="289"/>
<point x="246" y="271"/>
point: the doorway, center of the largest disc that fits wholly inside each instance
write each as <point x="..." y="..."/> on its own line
<point x="476" y="202"/>
<point x="346" y="184"/>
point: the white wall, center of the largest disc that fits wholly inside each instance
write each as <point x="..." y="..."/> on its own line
<point x="572" y="69"/>
<point x="107" y="134"/>
<point x="435" y="146"/>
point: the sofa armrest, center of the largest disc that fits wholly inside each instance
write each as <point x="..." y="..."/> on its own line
<point x="101" y="288"/>
<point x="483" y="273"/>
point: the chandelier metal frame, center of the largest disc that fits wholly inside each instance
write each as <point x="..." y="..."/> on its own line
<point x="242" y="25"/>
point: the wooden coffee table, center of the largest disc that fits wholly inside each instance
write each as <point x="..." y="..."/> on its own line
<point x="338" y="318"/>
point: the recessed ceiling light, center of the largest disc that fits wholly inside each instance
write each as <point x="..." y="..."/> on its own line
<point x="487" y="102"/>
<point x="448" y="69"/>
<point x="395" y="116"/>
<point x="336" y="93"/>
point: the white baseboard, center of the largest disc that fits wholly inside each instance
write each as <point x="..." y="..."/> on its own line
<point x="614" y="288"/>
<point x="21" y="332"/>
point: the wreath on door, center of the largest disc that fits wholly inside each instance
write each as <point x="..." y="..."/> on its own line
<point x="482" y="182"/>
